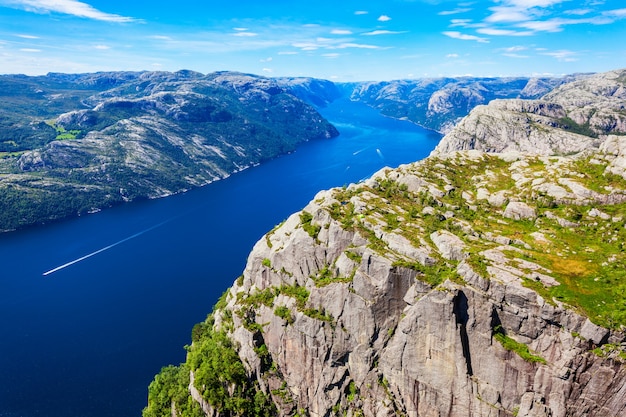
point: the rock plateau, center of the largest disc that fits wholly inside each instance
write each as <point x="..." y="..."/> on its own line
<point x="485" y="280"/>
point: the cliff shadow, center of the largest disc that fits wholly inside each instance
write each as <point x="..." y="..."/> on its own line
<point x="461" y="315"/>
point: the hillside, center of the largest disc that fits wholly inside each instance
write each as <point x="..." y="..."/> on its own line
<point x="71" y="144"/>
<point x="471" y="283"/>
<point x="440" y="103"/>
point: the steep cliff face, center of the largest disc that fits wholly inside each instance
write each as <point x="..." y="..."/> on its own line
<point x="467" y="284"/>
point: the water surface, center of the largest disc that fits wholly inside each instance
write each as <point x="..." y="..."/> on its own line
<point x="85" y="340"/>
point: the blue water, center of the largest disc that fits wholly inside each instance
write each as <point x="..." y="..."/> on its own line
<point x="125" y="286"/>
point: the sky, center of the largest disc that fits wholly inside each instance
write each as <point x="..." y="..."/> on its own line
<point x="339" y="40"/>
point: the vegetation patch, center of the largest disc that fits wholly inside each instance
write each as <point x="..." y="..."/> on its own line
<point x="432" y="274"/>
<point x="306" y="219"/>
<point x="269" y="234"/>
<point x="326" y="277"/>
<point x="595" y="177"/>
<point x="568" y="124"/>
<point x="611" y="350"/>
<point x="515" y="346"/>
<point x="284" y="313"/>
<point x="220" y="377"/>
<point x="259" y="297"/>
<point x="300" y="294"/>
<point x="318" y="314"/>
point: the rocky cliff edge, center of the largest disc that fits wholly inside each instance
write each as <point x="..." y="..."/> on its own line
<point x="467" y="284"/>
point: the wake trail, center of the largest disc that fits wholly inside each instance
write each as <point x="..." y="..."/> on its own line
<point x="360" y="150"/>
<point x="82" y="258"/>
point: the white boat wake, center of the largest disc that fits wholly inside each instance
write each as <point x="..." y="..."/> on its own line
<point x="82" y="258"/>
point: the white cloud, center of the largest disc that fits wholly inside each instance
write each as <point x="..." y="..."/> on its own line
<point x="513" y="49"/>
<point x="241" y="29"/>
<point x="505" y="14"/>
<point x="455" y="11"/>
<point x="579" y="12"/>
<point x="465" y="37"/>
<point x="460" y="22"/>
<point x="341" y="32"/>
<point x="383" y="18"/>
<point x="533" y="3"/>
<point x="71" y="7"/>
<point x="360" y="12"/>
<point x="27" y="36"/>
<point x="557" y="24"/>
<point x="30" y="50"/>
<point x="331" y="55"/>
<point x="288" y="53"/>
<point x="382" y="32"/>
<point x="268" y="70"/>
<point x="563" y="55"/>
<point x="503" y="32"/>
<point x="356" y="45"/>
<point x="245" y="34"/>
<point x="269" y="59"/>
<point x="619" y="13"/>
<point x="452" y="56"/>
<point x="552" y="25"/>
<point x="102" y="47"/>
<point x="306" y="46"/>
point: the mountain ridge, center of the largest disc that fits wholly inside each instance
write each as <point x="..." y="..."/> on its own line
<point x="571" y="118"/>
<point x="124" y="136"/>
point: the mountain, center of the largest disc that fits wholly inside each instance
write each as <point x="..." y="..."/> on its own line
<point x="571" y="118"/>
<point x="439" y="103"/>
<point x="77" y="143"/>
<point x="471" y="283"/>
<point x="312" y="90"/>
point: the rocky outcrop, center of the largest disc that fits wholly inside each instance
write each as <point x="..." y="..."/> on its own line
<point x="411" y="294"/>
<point x="353" y="322"/>
<point x="468" y="284"/>
<point x="573" y="117"/>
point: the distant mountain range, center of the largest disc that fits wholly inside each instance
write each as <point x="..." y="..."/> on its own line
<point x="77" y="143"/>
<point x="74" y="143"/>
<point x="434" y="103"/>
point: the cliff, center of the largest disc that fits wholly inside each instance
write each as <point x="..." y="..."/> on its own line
<point x="468" y="284"/>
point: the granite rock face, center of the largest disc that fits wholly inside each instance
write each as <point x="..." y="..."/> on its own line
<point x="468" y="284"/>
<point x="384" y="331"/>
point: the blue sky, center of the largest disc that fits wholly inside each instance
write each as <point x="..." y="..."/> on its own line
<point x="342" y="40"/>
